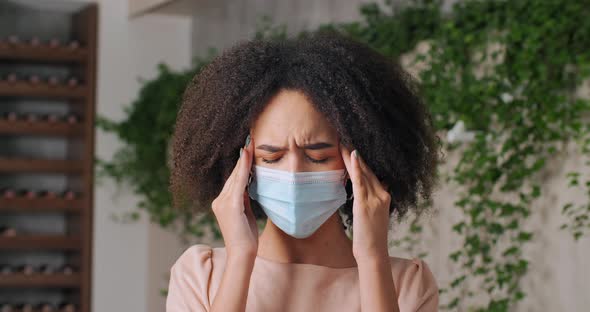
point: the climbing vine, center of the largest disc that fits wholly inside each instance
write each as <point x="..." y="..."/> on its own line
<point x="510" y="71"/>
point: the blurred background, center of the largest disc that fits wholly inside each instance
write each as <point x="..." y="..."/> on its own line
<point x="89" y="93"/>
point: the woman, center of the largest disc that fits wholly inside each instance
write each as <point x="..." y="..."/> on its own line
<point x="329" y="126"/>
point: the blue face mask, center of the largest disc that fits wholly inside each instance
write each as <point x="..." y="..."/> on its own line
<point x="298" y="202"/>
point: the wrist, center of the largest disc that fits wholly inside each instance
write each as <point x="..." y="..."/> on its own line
<point x="372" y="257"/>
<point x="370" y="250"/>
<point x="242" y="256"/>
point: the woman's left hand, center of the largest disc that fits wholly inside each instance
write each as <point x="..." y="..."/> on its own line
<point x="370" y="209"/>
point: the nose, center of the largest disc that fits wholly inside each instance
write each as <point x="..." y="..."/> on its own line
<point x="295" y="161"/>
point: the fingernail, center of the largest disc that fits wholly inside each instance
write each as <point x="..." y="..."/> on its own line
<point x="241" y="150"/>
<point x="247" y="141"/>
<point x="355" y="154"/>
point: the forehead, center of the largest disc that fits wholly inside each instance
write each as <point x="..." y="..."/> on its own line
<point x="289" y="114"/>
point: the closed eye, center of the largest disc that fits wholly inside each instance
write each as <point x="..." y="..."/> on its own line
<point x="317" y="161"/>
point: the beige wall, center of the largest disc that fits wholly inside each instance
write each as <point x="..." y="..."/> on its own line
<point x="558" y="278"/>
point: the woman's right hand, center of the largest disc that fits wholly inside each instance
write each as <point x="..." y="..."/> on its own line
<point x="232" y="208"/>
<point x="240" y="234"/>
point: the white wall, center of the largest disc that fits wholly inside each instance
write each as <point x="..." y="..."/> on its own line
<point x="128" y="49"/>
<point x="222" y="23"/>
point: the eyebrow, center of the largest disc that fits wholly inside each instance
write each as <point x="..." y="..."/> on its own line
<point x="312" y="146"/>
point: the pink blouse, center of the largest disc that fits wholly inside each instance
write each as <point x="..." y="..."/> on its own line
<point x="276" y="286"/>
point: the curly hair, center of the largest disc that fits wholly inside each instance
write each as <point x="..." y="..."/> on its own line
<point x="373" y="104"/>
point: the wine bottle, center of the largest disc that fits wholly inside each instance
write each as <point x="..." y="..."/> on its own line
<point x="74" y="45"/>
<point x="45" y="307"/>
<point x="72" y="118"/>
<point x="12" y="78"/>
<point x="67" y="307"/>
<point x="73" y="82"/>
<point x="6" y="307"/>
<point x="13" y="39"/>
<point x="46" y="269"/>
<point x="32" y="117"/>
<point x="7" y="231"/>
<point x="28" y="194"/>
<point x="46" y="194"/>
<point x="53" y="81"/>
<point x="11" y="116"/>
<point x="8" y="193"/>
<point x="35" y="42"/>
<point x="26" y="269"/>
<point x="54" y="43"/>
<point x="51" y="118"/>
<point x="66" y="269"/>
<point x="34" y="79"/>
<point x="24" y="307"/>
<point x="69" y="195"/>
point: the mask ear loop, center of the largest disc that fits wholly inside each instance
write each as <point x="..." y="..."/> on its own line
<point x="249" y="180"/>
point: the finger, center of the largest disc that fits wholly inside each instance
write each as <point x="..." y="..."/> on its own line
<point x="371" y="179"/>
<point x="356" y="176"/>
<point x="228" y="186"/>
<point x="364" y="167"/>
<point x="243" y="173"/>
<point x="345" y="152"/>
<point x="346" y="157"/>
<point x="229" y="181"/>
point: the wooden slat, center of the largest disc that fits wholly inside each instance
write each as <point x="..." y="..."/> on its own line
<point x="85" y="25"/>
<point x="41" y="90"/>
<point x="40" y="165"/>
<point x="41" y="128"/>
<point x="40" y="205"/>
<point x="58" y="242"/>
<point x="20" y="280"/>
<point x="42" y="54"/>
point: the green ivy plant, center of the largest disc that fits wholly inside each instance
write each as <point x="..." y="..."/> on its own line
<point x="143" y="162"/>
<point x="523" y="110"/>
<point x="508" y="69"/>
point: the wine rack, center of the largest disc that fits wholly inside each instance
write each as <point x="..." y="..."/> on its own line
<point x="47" y="113"/>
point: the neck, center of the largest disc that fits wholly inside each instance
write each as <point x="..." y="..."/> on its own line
<point x="328" y="246"/>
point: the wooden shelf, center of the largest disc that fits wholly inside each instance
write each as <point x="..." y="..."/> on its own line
<point x="76" y="214"/>
<point x="40" y="165"/>
<point x="40" y="205"/>
<point x="42" y="54"/>
<point x="40" y="280"/>
<point x="59" y="242"/>
<point x="41" y="90"/>
<point x="41" y="128"/>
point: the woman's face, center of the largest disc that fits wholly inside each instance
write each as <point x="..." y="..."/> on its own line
<point x="291" y="135"/>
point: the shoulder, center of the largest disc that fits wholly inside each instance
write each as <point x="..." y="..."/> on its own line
<point x="195" y="254"/>
<point x="194" y="275"/>
<point x="415" y="284"/>
<point x="197" y="261"/>
<point x="198" y="257"/>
